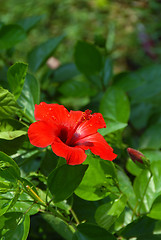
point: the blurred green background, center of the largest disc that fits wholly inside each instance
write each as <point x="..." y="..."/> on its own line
<point x="130" y="30"/>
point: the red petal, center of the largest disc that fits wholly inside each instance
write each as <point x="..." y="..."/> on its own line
<point x="97" y="144"/>
<point x="90" y="126"/>
<point x="73" y="155"/>
<point x="42" y="134"/>
<point x="56" y="112"/>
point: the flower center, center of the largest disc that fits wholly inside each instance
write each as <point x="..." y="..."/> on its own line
<point x="63" y="135"/>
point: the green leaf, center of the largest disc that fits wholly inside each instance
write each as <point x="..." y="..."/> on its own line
<point x="65" y="72"/>
<point x="11" y="146"/>
<point x="41" y="53"/>
<point x="11" y="129"/>
<point x="12" y="134"/>
<point x="64" y="180"/>
<point x="88" y="231"/>
<point x="148" y="192"/>
<point x="155" y="211"/>
<point x="125" y="186"/>
<point x="9" y="170"/>
<point x="107" y="71"/>
<point x="28" y="23"/>
<point x="75" y="88"/>
<point x="64" y="229"/>
<point x="30" y="96"/>
<point x="8" y="105"/>
<point x="8" y="200"/>
<point x="151" y="137"/>
<point x="115" y="105"/>
<point x="25" y="204"/>
<point x="107" y="213"/>
<point x="10" y="35"/>
<point x="98" y="179"/>
<point x="14" y="226"/>
<point x="143" y="228"/>
<point x="143" y="85"/>
<point x="133" y="168"/>
<point x="87" y="58"/>
<point x="16" y="77"/>
<point x="111" y="126"/>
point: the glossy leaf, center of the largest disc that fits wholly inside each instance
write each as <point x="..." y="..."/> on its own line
<point x="8" y="105"/>
<point x="14" y="226"/>
<point x="41" y="53"/>
<point x="115" y="105"/>
<point x="151" y="184"/>
<point x="125" y="186"/>
<point x="143" y="228"/>
<point x="16" y="77"/>
<point x="11" y="129"/>
<point x="111" y="126"/>
<point x="98" y="180"/>
<point x="10" y="35"/>
<point x="9" y="170"/>
<point x="8" y="199"/>
<point x="87" y="58"/>
<point x="25" y="204"/>
<point x="88" y="231"/>
<point x="107" y="213"/>
<point x="64" y="229"/>
<point x="155" y="211"/>
<point x="30" y="96"/>
<point x="133" y="168"/>
<point x="64" y="180"/>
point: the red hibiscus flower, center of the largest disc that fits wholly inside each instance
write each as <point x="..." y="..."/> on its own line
<point x="69" y="133"/>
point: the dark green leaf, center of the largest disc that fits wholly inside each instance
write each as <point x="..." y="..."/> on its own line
<point x="107" y="71"/>
<point x="11" y="146"/>
<point x="151" y="137"/>
<point x="10" y="35"/>
<point x="65" y="72"/>
<point x="64" y="229"/>
<point x="8" y="105"/>
<point x="64" y="180"/>
<point x="28" y="23"/>
<point x="87" y="58"/>
<point x="142" y="229"/>
<point x="41" y="53"/>
<point x="155" y="211"/>
<point x="115" y="105"/>
<point x="16" y="77"/>
<point x="88" y="231"/>
<point x="75" y="88"/>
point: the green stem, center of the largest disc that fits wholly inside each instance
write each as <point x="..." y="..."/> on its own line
<point x="74" y="216"/>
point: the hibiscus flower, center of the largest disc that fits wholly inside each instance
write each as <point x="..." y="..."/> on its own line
<point x="69" y="133"/>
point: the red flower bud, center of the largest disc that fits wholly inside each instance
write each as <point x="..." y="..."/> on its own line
<point x="138" y="158"/>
